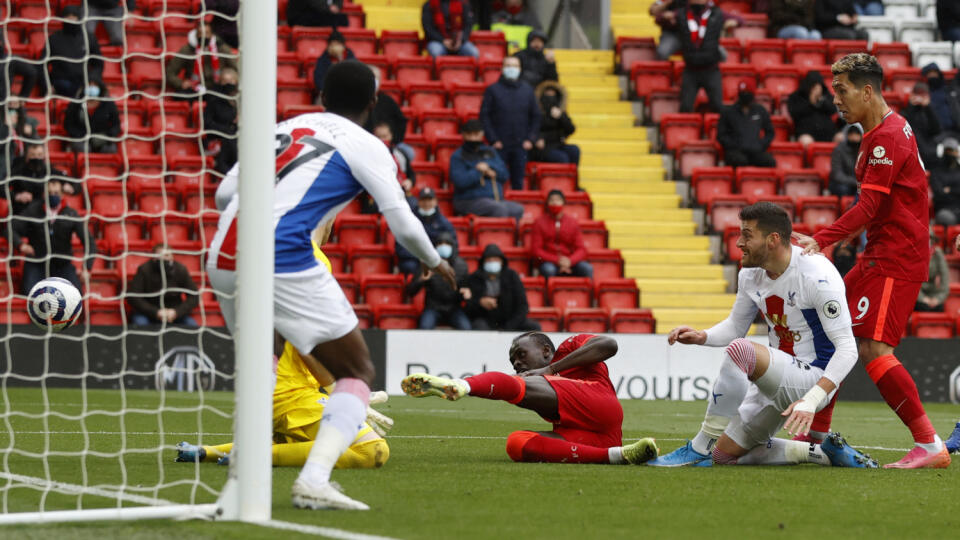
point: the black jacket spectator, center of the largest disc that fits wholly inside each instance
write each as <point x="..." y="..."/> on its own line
<point x="337" y="51"/>
<point x="701" y="55"/>
<point x="51" y="237"/>
<point x="434" y="223"/>
<point x="31" y="175"/>
<point x="511" y="308"/>
<point x="223" y="26"/>
<point x="316" y="13"/>
<point x="555" y="127"/>
<point x="536" y="66"/>
<point x="944" y="98"/>
<point x="811" y="108"/>
<point x="220" y="121"/>
<point x="745" y="132"/>
<point x="923" y="120"/>
<point x="791" y="13"/>
<point x="387" y="111"/>
<point x="945" y="183"/>
<point x="428" y="19"/>
<point x="510" y="113"/>
<point x="78" y="54"/>
<point x="10" y="66"/>
<point x="948" y="19"/>
<point x="159" y="279"/>
<point x="93" y="116"/>
<point x="439" y="296"/>
<point x="843" y="163"/>
<point x="828" y="16"/>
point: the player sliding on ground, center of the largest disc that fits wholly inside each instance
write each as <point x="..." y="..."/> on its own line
<point x="324" y="160"/>
<point x="759" y="387"/>
<point x="882" y="288"/>
<point x="568" y="386"/>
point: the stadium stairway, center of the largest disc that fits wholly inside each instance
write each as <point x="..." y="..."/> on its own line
<point x="392" y="14"/>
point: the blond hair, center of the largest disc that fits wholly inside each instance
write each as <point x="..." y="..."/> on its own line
<point x="861" y="69"/>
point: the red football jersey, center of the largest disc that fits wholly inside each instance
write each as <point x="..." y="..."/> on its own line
<point x="898" y="242"/>
<point x="595" y="372"/>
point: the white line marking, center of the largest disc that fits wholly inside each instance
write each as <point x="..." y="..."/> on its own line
<point x="329" y="532"/>
<point x="74" y="489"/>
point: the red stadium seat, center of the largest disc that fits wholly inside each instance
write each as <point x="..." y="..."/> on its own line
<point x="413" y="69"/>
<point x="951" y="306"/>
<point x="550" y="318"/>
<point x="730" y="237"/>
<point x="400" y="43"/>
<point x="801" y="182"/>
<point x="337" y="255"/>
<point x="310" y="42"/>
<point x="757" y="181"/>
<point x="567" y="292"/>
<point x="838" y="48"/>
<point x="651" y="75"/>
<point x="426" y="94"/>
<point x="116" y="230"/>
<point x="734" y="50"/>
<point x="735" y="6"/>
<point x="617" y="293"/>
<point x="586" y="320"/>
<point x="754" y="27"/>
<point x="437" y="122"/>
<point x="634" y="49"/>
<point x="676" y="129"/>
<point x="633" y="321"/>
<point x="421" y="148"/>
<point x="501" y="231"/>
<point x="901" y="81"/>
<point x="361" y="41"/>
<point x="953" y="263"/>
<point x="535" y="287"/>
<point x="359" y="229"/>
<point x="532" y="202"/>
<point x="492" y="45"/>
<point x="364" y="315"/>
<point x="607" y="263"/>
<point x="724" y="211"/>
<point x="356" y="17"/>
<point x="693" y="155"/>
<point x="892" y="55"/>
<point x="170" y="228"/>
<point x="765" y="52"/>
<point x="578" y="204"/>
<point x="806" y="53"/>
<point x="146" y="68"/>
<point x="818" y="211"/>
<point x="661" y="103"/>
<point x="783" y="201"/>
<point x="104" y="284"/>
<point x="818" y="157"/>
<point x="490" y="71"/>
<point x="463" y="228"/>
<point x="370" y="259"/>
<point x="456" y="69"/>
<point x="932" y="325"/>
<point x="470" y="255"/>
<point x="467" y="97"/>
<point x="98" y="167"/>
<point x="293" y="93"/>
<point x="429" y="174"/>
<point x="952" y="232"/>
<point x="106" y="312"/>
<point x="708" y="182"/>
<point x="393" y="89"/>
<point x="396" y="316"/>
<point x="350" y="285"/>
<point x="443" y="147"/>
<point x="782" y="127"/>
<point x="780" y="80"/>
<point x="549" y="176"/>
<point x="594" y="233"/>
<point x="789" y="155"/>
<point x="379" y="289"/>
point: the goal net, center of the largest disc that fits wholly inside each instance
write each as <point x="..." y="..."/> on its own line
<point x="118" y="126"/>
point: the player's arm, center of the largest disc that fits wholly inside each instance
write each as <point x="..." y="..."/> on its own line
<point x="736" y="325"/>
<point x="595" y="350"/>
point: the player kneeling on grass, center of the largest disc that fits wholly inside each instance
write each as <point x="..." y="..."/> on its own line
<point x="568" y="386"/>
<point x="298" y="402"/>
<point x="803" y="302"/>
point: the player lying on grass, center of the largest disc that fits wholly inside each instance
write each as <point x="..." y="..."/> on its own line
<point x="811" y="351"/>
<point x="298" y="402"/>
<point x="568" y="386"/>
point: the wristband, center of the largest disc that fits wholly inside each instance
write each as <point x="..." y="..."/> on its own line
<point x="810" y="400"/>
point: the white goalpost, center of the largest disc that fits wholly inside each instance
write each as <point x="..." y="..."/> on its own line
<point x="79" y="454"/>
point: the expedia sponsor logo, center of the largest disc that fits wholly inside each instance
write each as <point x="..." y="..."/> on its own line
<point x="880" y="161"/>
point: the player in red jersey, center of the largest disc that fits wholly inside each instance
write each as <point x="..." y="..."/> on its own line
<point x="568" y="387"/>
<point x="883" y="286"/>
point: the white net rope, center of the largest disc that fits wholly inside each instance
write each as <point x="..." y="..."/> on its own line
<point x="90" y="416"/>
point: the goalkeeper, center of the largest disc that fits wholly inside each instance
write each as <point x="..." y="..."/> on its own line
<point x="298" y="401"/>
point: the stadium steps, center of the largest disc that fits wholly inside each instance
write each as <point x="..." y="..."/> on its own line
<point x="675" y="271"/>
<point x="632" y="18"/>
<point x="393" y="14"/>
<point x="678" y="257"/>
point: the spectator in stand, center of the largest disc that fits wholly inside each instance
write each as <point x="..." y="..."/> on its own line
<point x="944" y="98"/>
<point x="536" y="64"/>
<point x="11" y="66"/>
<point x="337" y="51"/>
<point x="72" y="55"/>
<point x="46" y="227"/>
<point x="446" y="28"/>
<point x="220" y="120"/>
<point x="843" y="162"/>
<point x="434" y="222"/>
<point x="811" y="108"/>
<point x="511" y="119"/>
<point x="387" y="110"/>
<point x="745" y="131"/>
<point x="224" y="20"/>
<point x="700" y="44"/>
<point x="93" y="120"/>
<point x="948" y="19"/>
<point x="665" y="14"/>
<point x="945" y="183"/>
<point x="441" y="304"/>
<point x="555" y="127"/>
<point x="934" y="291"/>
<point x="162" y="292"/>
<point x="837" y="19"/>
<point x="557" y="243"/>
<point x="29" y="176"/>
<point x="793" y="19"/>
<point x="923" y="120"/>
<point x="498" y="299"/>
<point x="23" y="127"/>
<point x="872" y="8"/>
<point x="404" y="166"/>
<point x="198" y="64"/>
<point x="316" y="13"/>
<point x="478" y="175"/>
<point x="110" y="13"/>
<point x="517" y="13"/>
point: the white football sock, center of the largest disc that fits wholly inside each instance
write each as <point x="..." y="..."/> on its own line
<point x="342" y="418"/>
<point x="784" y="452"/>
<point x="932" y="448"/>
<point x="728" y="392"/>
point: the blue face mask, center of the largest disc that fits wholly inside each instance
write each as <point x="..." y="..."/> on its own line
<point x="93" y="91"/>
<point x="492" y="267"/>
<point x="511" y="73"/>
<point x="53" y="201"/>
<point x="445" y="250"/>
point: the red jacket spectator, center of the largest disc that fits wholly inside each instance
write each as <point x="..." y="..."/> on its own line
<point x="557" y="242"/>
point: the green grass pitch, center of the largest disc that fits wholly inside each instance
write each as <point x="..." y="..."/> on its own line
<point x="449" y="476"/>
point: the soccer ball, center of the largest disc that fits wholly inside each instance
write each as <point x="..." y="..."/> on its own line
<point x="54" y="303"/>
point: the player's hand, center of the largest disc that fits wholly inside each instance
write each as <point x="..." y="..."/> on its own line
<point x="27" y="250"/>
<point x="466" y="293"/>
<point x="527" y="145"/>
<point x="447" y="273"/>
<point x="541" y="143"/>
<point x="549" y="56"/>
<point x="844" y="19"/>
<point x="687" y="336"/>
<point x="488" y="303"/>
<point x="498" y="145"/>
<point x="799" y="421"/>
<point x="808" y="244"/>
<point x="23" y="197"/>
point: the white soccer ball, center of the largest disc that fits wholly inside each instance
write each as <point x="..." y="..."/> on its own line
<point x="54" y="303"/>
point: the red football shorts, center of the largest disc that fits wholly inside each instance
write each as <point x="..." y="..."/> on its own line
<point x="589" y="412"/>
<point x="879" y="305"/>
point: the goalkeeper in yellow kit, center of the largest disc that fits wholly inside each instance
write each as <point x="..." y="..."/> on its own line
<point x="298" y="401"/>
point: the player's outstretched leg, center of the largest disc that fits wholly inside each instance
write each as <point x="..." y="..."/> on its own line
<point x="424" y="384"/>
<point x="842" y="454"/>
<point x="953" y="442"/>
<point x="534" y="447"/>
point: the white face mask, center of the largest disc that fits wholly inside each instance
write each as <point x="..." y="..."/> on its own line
<point x="93" y="91"/>
<point x="427" y="213"/>
<point x="445" y="250"/>
<point x="511" y="73"/>
<point x="492" y="267"/>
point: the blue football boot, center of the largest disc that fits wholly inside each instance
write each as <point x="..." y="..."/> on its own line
<point x="685" y="456"/>
<point x="953" y="442"/>
<point x="842" y="454"/>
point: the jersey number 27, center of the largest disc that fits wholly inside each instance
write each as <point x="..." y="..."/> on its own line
<point x="289" y="147"/>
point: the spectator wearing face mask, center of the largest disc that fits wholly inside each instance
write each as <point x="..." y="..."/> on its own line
<point x="923" y="120"/>
<point x="811" y="108"/>
<point x="498" y="299"/>
<point x="557" y="243"/>
<point x="441" y="304"/>
<point x="198" y="64"/>
<point x="29" y="176"/>
<point x="945" y="183"/>
<point x="336" y="52"/>
<point x="843" y="162"/>
<point x="21" y="126"/>
<point x="43" y="233"/>
<point x="74" y="56"/>
<point x="536" y="63"/>
<point x="478" y="175"/>
<point x="162" y="292"/>
<point x="555" y="127"/>
<point x="511" y="119"/>
<point x="220" y="120"/>
<point x="434" y="222"/>
<point x="745" y="131"/>
<point x="944" y="99"/>
<point x="93" y="120"/>
<point x="700" y="27"/>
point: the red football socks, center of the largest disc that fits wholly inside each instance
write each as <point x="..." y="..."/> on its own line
<point x="532" y="447"/>
<point x="497" y="385"/>
<point x="900" y="392"/>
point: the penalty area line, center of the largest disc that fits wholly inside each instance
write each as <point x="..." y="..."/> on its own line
<point x="329" y="532"/>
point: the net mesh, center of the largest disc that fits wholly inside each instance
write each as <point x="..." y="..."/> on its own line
<point x="134" y="109"/>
